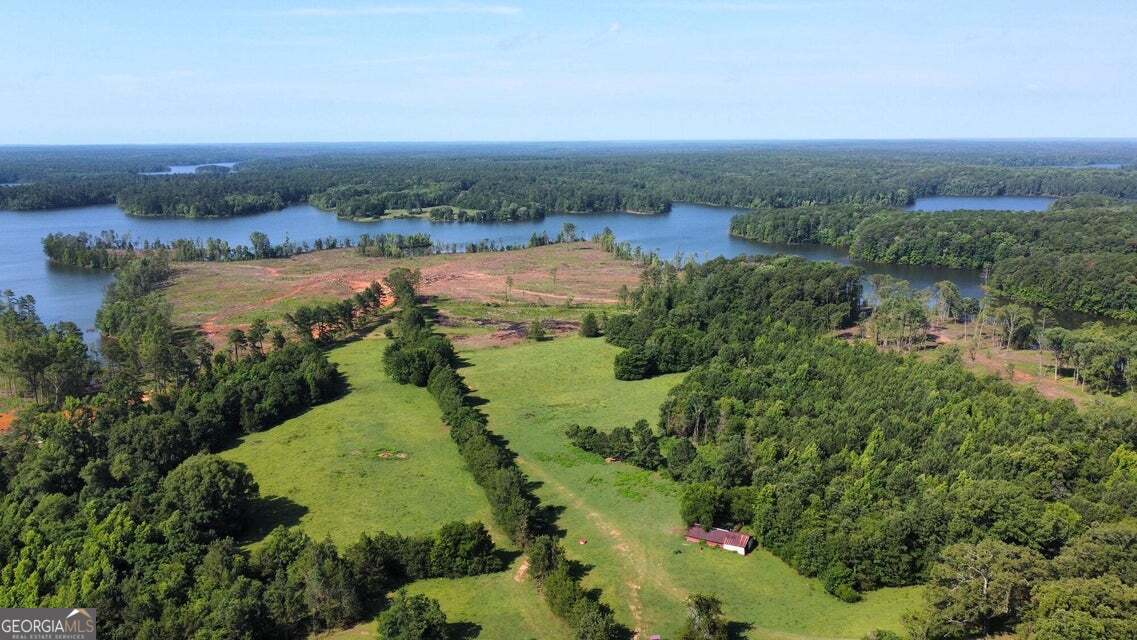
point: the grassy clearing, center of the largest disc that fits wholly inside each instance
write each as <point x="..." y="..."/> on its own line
<point x="630" y="518"/>
<point x="494" y="607"/>
<point x="380" y="459"/>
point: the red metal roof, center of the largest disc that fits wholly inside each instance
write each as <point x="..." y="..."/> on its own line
<point x="719" y="536"/>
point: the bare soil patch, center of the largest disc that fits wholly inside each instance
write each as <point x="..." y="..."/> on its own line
<point x="6" y="421"/>
<point x="1017" y="366"/>
<point x="219" y="296"/>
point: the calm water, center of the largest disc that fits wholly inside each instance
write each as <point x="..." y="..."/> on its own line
<point x="689" y="230"/>
<point x="188" y="168"/>
<point x="977" y="203"/>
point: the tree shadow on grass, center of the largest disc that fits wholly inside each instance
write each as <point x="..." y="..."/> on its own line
<point x="738" y="630"/>
<point x="463" y="630"/>
<point x="270" y="512"/>
<point x="475" y="401"/>
<point x="545" y="520"/>
<point x="507" y="556"/>
<point x="355" y="335"/>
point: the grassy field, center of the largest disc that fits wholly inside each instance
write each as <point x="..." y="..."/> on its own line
<point x="493" y="607"/>
<point x="380" y="459"/>
<point x="629" y="518"/>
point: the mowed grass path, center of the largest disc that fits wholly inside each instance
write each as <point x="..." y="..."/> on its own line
<point x="630" y="518"/>
<point x="323" y="471"/>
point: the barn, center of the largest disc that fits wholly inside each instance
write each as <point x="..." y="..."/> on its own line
<point x="735" y="541"/>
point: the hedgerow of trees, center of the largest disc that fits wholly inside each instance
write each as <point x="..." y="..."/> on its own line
<point x="417" y="355"/>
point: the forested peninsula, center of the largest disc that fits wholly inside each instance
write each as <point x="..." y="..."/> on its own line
<point x="1080" y="255"/>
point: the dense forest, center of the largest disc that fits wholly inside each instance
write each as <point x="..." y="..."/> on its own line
<point x="1080" y="255"/>
<point x="517" y="182"/>
<point x="684" y="317"/>
<point x="870" y="469"/>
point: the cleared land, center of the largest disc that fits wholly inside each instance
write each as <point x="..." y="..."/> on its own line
<point x="380" y="459"/>
<point x="219" y="295"/>
<point x="629" y="517"/>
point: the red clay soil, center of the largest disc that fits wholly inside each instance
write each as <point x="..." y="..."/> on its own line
<point x="1045" y="385"/>
<point x="6" y="421"/>
<point x="583" y="272"/>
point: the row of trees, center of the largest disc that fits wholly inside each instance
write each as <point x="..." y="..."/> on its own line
<point x="419" y="356"/>
<point x="322" y="322"/>
<point x="393" y="245"/>
<point x="109" y="251"/>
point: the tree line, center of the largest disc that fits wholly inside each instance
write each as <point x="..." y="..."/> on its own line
<point x="108" y="250"/>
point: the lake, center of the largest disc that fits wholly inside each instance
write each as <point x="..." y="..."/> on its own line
<point x="979" y="203"/>
<point x="689" y="230"/>
<point x="180" y="169"/>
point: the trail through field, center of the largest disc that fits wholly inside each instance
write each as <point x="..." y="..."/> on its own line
<point x="638" y="565"/>
<point x="636" y="561"/>
<point x="560" y="296"/>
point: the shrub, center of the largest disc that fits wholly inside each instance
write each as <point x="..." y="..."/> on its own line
<point x="589" y="326"/>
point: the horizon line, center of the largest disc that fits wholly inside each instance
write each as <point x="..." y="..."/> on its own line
<point x="580" y="141"/>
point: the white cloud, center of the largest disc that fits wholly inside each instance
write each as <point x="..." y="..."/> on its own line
<point x="405" y="10"/>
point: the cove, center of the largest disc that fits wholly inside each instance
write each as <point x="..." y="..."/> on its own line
<point x="688" y="231"/>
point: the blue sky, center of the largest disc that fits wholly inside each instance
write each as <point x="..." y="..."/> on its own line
<point x="330" y="70"/>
